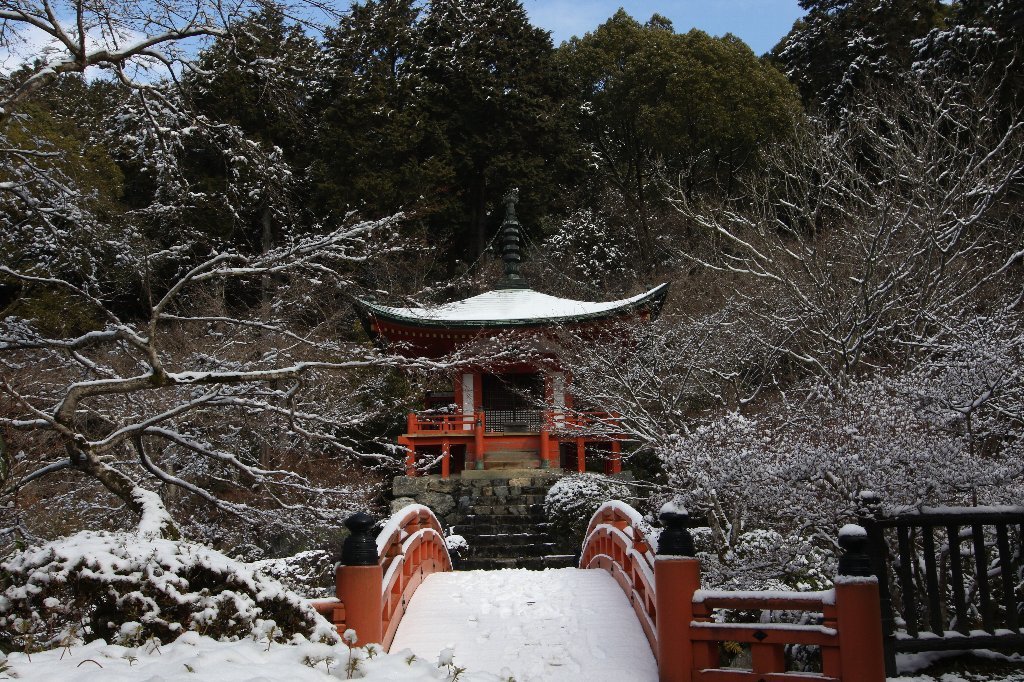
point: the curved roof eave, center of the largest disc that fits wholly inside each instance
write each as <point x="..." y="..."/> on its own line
<point x="426" y="317"/>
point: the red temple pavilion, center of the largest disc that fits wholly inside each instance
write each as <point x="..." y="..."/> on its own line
<point x="515" y="415"/>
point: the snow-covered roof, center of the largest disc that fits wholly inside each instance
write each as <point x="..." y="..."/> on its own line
<point x="513" y="307"/>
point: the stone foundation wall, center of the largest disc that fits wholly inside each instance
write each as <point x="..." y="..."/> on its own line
<point x="452" y="499"/>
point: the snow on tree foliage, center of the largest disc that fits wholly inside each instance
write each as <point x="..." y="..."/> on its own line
<point x="571" y="501"/>
<point x="586" y="246"/>
<point x="127" y="588"/>
<point x="839" y="46"/>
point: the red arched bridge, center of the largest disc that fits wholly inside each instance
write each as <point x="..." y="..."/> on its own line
<point x="642" y="610"/>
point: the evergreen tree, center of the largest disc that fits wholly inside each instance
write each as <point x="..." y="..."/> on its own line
<point x="983" y="44"/>
<point x="257" y="79"/>
<point x="376" y="150"/>
<point x="488" y="81"/>
<point x="839" y="45"/>
<point x="654" y="102"/>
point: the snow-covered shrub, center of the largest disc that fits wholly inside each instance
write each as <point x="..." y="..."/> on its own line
<point x="571" y="502"/>
<point x="592" y="246"/>
<point x="764" y="560"/>
<point x="310" y="573"/>
<point x="458" y="548"/>
<point x="130" y="587"/>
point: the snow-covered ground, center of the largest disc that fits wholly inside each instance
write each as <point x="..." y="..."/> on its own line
<point x="533" y="626"/>
<point x="194" y="658"/>
<point x="565" y="625"/>
<point x="961" y="677"/>
<point x="561" y="625"/>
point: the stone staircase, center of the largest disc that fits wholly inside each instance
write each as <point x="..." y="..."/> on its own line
<point x="513" y="459"/>
<point x="501" y="516"/>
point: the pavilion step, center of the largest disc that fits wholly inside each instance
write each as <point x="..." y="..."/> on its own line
<point x="503" y="463"/>
<point x="491" y="530"/>
<point x="533" y="519"/>
<point x="520" y="507"/>
<point x="512" y="459"/>
<point x="521" y="552"/>
<point x="492" y="496"/>
<point x="490" y="527"/>
<point x="510" y="489"/>
<point x="507" y="539"/>
<point x="532" y="563"/>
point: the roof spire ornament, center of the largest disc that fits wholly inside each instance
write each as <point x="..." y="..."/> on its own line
<point x="510" y="245"/>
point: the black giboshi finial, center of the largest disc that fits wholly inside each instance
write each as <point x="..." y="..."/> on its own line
<point x="854" y="561"/>
<point x="675" y="538"/>
<point x="360" y="547"/>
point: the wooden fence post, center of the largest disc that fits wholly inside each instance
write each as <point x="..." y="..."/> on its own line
<point x="869" y="510"/>
<point x="360" y="581"/>
<point x="676" y="578"/>
<point x="858" y="613"/>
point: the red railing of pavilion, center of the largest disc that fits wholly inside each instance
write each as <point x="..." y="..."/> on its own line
<point x="555" y="427"/>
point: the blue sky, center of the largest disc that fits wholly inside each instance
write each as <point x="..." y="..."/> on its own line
<point x="761" y="23"/>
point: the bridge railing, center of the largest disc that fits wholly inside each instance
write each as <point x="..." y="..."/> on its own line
<point x="664" y="588"/>
<point x="619" y="541"/>
<point x="378" y="575"/>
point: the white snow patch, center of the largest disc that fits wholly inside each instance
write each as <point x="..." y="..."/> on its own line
<point x="193" y="658"/>
<point x="852" y="530"/>
<point x="566" y="624"/>
<point x="673" y="507"/>
<point x="511" y="305"/>
<point x="456" y="543"/>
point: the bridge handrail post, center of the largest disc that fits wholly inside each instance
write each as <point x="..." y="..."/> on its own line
<point x="676" y="578"/>
<point x="858" y="613"/>
<point x="360" y="580"/>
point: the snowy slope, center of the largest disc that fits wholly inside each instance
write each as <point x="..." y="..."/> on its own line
<point x="565" y="624"/>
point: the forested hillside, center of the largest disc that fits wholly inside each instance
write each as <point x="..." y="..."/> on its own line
<point x="188" y="206"/>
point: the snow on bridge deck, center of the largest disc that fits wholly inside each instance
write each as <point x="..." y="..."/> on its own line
<point x="561" y="625"/>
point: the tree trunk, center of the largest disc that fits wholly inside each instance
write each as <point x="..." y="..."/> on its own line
<point x="120" y="485"/>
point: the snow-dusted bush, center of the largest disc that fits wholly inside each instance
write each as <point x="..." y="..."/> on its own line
<point x="591" y="248"/>
<point x="310" y="573"/>
<point x="458" y="548"/>
<point x="573" y="500"/>
<point x="944" y="432"/>
<point x="129" y="587"/>
<point x="764" y="560"/>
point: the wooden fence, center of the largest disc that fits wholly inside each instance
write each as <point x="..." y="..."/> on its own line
<point x="947" y="578"/>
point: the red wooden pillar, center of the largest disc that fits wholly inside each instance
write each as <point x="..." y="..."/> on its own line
<point x="615" y="461"/>
<point x="676" y="578"/>
<point x="445" y="458"/>
<point x="478" y="439"/>
<point x="410" y="457"/>
<point x="359" y="588"/>
<point x="858" y="612"/>
<point x="581" y="455"/>
<point x="544" y="447"/>
<point x="360" y="581"/>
